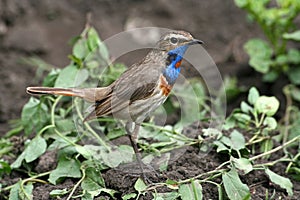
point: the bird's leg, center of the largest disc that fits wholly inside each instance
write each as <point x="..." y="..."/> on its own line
<point x="133" y="140"/>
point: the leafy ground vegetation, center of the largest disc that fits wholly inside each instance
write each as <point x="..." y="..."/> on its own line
<point x="255" y="155"/>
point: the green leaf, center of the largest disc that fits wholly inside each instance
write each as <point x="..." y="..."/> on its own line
<point x="18" y="192"/>
<point x="35" y="149"/>
<point x="93" y="40"/>
<point x="253" y="95"/>
<point x="237" y="140"/>
<point x="191" y="191"/>
<point x="115" y="133"/>
<point x="26" y="192"/>
<point x="283" y="182"/>
<point x="166" y="196"/>
<point x="260" y="54"/>
<point x="90" y="195"/>
<point x="34" y="115"/>
<point x="104" y="52"/>
<point x="258" y="7"/>
<point x="185" y="192"/>
<point x="50" y="79"/>
<point x="172" y="184"/>
<point x="260" y="64"/>
<point x="267" y="105"/>
<point x="294" y="56"/>
<point x="270" y="122"/>
<point x="14" y="191"/>
<point x="111" y="192"/>
<point x="271" y="76"/>
<point x="139" y="185"/>
<point x="161" y="144"/>
<point x="212" y="132"/>
<point x="17" y="163"/>
<point x="232" y="88"/>
<point x="163" y="165"/>
<point x="123" y="154"/>
<point x="5" y="168"/>
<point x="295" y="128"/>
<point x="235" y="189"/>
<point x="80" y="49"/>
<point x="221" y="146"/>
<point x="246" y="108"/>
<point x="71" y="76"/>
<point x="81" y="76"/>
<point x="65" y="125"/>
<point x="294" y="74"/>
<point x="55" y="193"/>
<point x="191" y="95"/>
<point x="241" y="3"/>
<point x="242" y="164"/>
<point x="225" y="140"/>
<point x="295" y="92"/>
<point x="93" y="180"/>
<point x="197" y="190"/>
<point x="129" y="196"/>
<point x="230" y="122"/>
<point x="111" y="73"/>
<point x="86" y="151"/>
<point x="292" y="36"/>
<point x="65" y="168"/>
<point x="281" y="59"/>
<point x="5" y="146"/>
<point x="160" y="196"/>
<point x="60" y="143"/>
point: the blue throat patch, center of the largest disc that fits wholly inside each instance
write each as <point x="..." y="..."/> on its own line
<point x="172" y="72"/>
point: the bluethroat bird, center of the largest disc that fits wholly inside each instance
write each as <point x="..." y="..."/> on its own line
<point x="140" y="90"/>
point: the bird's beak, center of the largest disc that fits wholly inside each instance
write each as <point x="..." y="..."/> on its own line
<point x="195" y="41"/>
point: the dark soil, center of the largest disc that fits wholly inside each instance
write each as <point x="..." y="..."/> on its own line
<point x="42" y="28"/>
<point x="190" y="164"/>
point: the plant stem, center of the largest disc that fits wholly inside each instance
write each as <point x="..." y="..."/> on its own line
<point x="223" y="164"/>
<point x="100" y="140"/>
<point x="272" y="163"/>
<point x="170" y="132"/>
<point x="53" y="109"/>
<point x="33" y="179"/>
<point x="178" y="147"/>
<point x="200" y="175"/>
<point x="45" y="128"/>
<point x="261" y="120"/>
<point x="251" y="141"/>
<point x="289" y="103"/>
<point x="53" y="122"/>
<point x="216" y="171"/>
<point x="219" y="188"/>
<point x="291" y="162"/>
<point x="275" y="149"/>
<point x="77" y="185"/>
<point x="255" y="118"/>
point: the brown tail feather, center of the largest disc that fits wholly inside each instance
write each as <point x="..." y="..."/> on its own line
<point x="89" y="94"/>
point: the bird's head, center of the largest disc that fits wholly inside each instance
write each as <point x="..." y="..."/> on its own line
<point x="177" y="42"/>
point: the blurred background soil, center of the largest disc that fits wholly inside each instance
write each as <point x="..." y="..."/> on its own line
<point x="43" y="28"/>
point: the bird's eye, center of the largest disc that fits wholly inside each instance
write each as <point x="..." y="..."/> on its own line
<point x="173" y="40"/>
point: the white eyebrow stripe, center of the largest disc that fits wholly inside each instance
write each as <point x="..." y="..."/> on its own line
<point x="177" y="36"/>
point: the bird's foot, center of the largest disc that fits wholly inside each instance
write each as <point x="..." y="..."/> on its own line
<point x="146" y="180"/>
<point x="148" y="170"/>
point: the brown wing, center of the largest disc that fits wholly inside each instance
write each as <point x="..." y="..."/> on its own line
<point x="138" y="82"/>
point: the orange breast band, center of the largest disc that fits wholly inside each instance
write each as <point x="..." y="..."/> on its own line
<point x="178" y="64"/>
